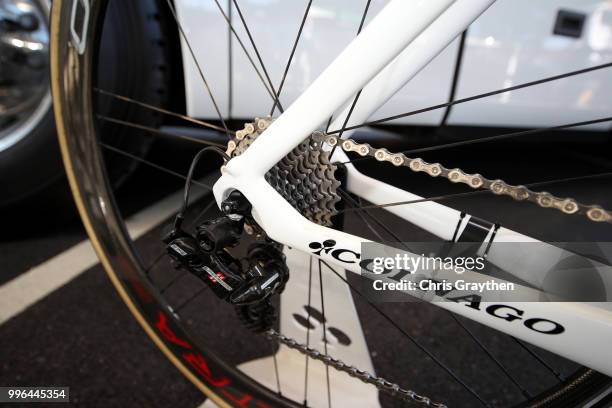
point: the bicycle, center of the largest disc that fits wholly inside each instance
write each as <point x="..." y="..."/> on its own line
<point x="259" y="188"/>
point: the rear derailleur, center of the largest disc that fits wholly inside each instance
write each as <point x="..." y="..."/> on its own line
<point x="248" y="281"/>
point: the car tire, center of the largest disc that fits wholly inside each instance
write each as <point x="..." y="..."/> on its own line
<point x="31" y="164"/>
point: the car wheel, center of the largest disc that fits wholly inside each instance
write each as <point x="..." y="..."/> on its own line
<point x="29" y="153"/>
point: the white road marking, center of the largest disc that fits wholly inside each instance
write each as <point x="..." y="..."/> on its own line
<point x="31" y="286"/>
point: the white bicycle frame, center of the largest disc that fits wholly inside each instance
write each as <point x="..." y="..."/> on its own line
<point x="394" y="47"/>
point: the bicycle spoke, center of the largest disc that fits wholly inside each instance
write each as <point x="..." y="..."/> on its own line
<point x="278" y="386"/>
<point x="408" y="336"/>
<point x="198" y="217"/>
<point x="356" y="204"/>
<point x="369" y="226"/>
<point x="161" y="110"/>
<point x="308" y="330"/>
<point x="263" y="66"/>
<point x="151" y="164"/>
<point x="354" y="103"/>
<point x="363" y="16"/>
<point x="230" y="64"/>
<point x="288" y="65"/>
<point x="477" y="192"/>
<point x="275" y="359"/>
<point x="455" y="83"/>
<point x="486" y="350"/>
<point x="420" y="200"/>
<point x="172" y="282"/>
<point x="199" y="68"/>
<point x="539" y="359"/>
<point x="348" y="116"/>
<point x="246" y="52"/>
<point x="324" y="334"/>
<point x="479" y="96"/>
<point x="329" y="122"/>
<point x="158" y="132"/>
<point x="492" y="138"/>
<point x="190" y="299"/>
<point x="155" y="262"/>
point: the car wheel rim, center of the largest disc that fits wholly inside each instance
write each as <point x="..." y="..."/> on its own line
<point x="24" y="86"/>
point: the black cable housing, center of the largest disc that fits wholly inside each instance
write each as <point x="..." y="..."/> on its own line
<point x="181" y="214"/>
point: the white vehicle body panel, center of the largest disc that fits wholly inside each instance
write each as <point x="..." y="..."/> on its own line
<point x="511" y="43"/>
<point x="202" y="19"/>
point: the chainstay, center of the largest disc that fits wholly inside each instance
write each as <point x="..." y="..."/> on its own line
<point x="368" y="378"/>
<point x="476" y="181"/>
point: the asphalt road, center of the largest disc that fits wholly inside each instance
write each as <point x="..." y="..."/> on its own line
<point x="81" y="335"/>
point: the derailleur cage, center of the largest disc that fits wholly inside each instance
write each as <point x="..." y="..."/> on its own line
<point x="246" y="282"/>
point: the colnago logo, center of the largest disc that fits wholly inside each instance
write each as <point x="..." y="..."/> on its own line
<point x="509" y="314"/>
<point x="504" y="312"/>
<point x="328" y="247"/>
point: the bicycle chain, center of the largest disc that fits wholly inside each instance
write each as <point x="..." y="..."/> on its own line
<point x="476" y="181"/>
<point x="379" y="382"/>
<point x="499" y="187"/>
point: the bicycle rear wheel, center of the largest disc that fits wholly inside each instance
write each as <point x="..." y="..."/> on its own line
<point x="76" y="31"/>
